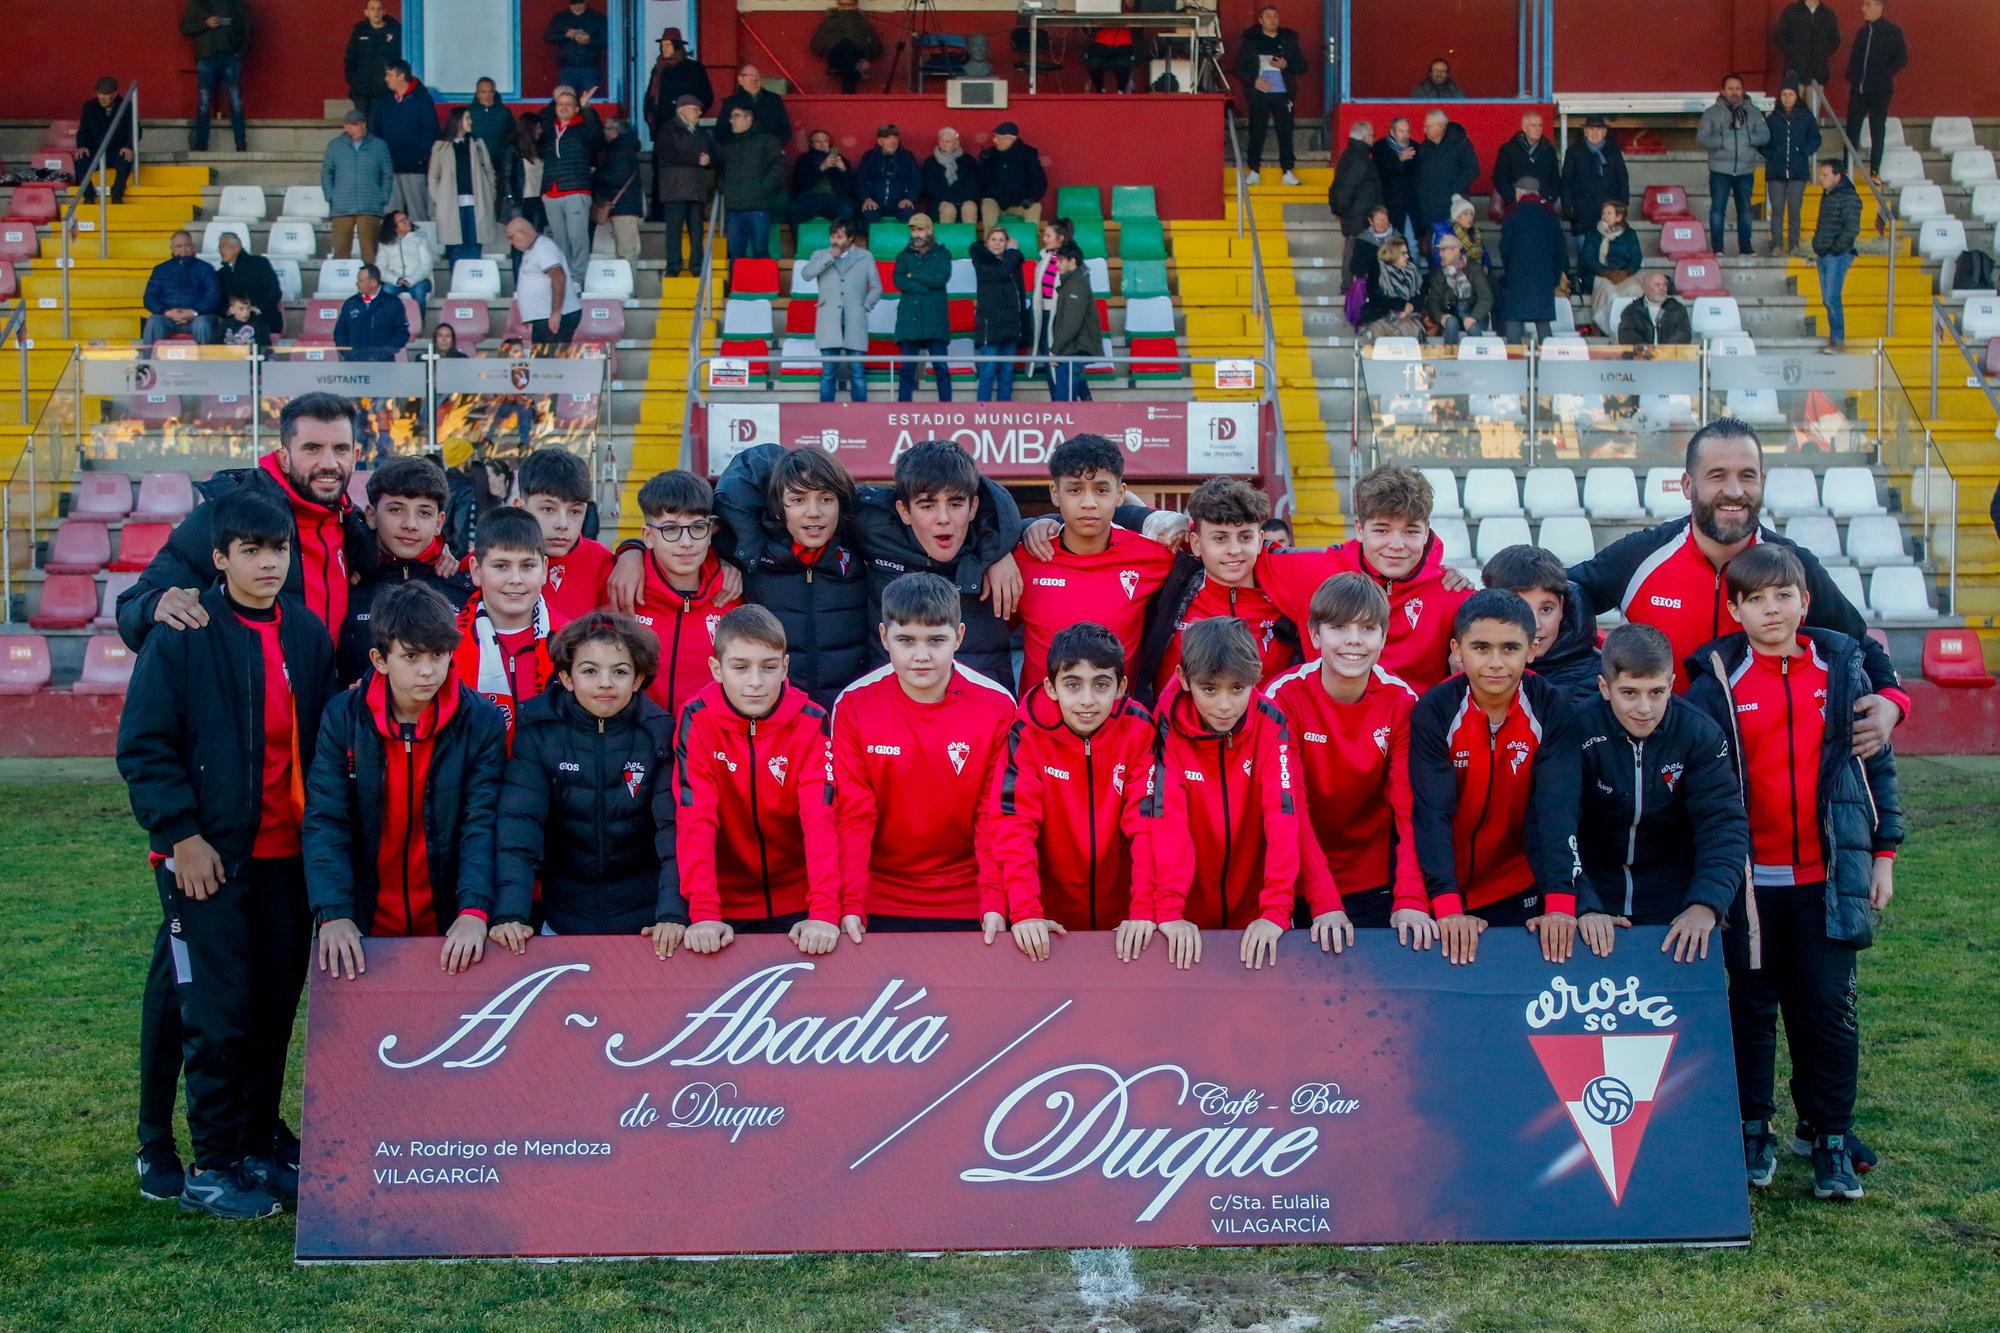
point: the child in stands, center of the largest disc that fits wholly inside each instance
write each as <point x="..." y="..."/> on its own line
<point x="214" y="743"/>
<point x="503" y="644"/>
<point x="406" y="504"/>
<point x="401" y="798"/>
<point x="915" y="748"/>
<point x="1824" y="828"/>
<point x="753" y="788"/>
<point x="1066" y="802"/>
<point x="1218" y="577"/>
<point x="681" y="601"/>
<point x="1565" y="649"/>
<point x="554" y="486"/>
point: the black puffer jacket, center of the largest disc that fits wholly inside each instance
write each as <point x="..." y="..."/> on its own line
<point x="891" y="551"/>
<point x="355" y="638"/>
<point x="587" y="806"/>
<point x="1571" y="663"/>
<point x="824" y="606"/>
<point x="1517" y="158"/>
<point x="1356" y="188"/>
<point x="1000" y="311"/>
<point x="1443" y="169"/>
<point x="1015" y="178"/>
<point x="569" y="159"/>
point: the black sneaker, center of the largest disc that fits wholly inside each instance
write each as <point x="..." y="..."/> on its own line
<point x="1866" y="1159"/>
<point x="278" y="1180"/>
<point x="160" y="1174"/>
<point x="1834" y="1176"/>
<point x="228" y="1193"/>
<point x="1760" y="1152"/>
<point x="285" y="1145"/>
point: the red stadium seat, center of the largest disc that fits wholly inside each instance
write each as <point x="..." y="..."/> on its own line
<point x="154" y="408"/>
<point x="61" y="164"/>
<point x="470" y="320"/>
<point x="962" y="315"/>
<point x="79" y="546"/>
<point x="1952" y="657"/>
<point x="603" y="321"/>
<point x="1700" y="275"/>
<point x="34" y="203"/>
<point x="880" y="347"/>
<point x="317" y="327"/>
<point x="68" y="602"/>
<point x="801" y="318"/>
<point x="10" y="285"/>
<point x="19" y="240"/>
<point x="224" y="411"/>
<point x="164" y="497"/>
<point x="1103" y="315"/>
<point x="101" y="495"/>
<point x="107" y="607"/>
<point x="1665" y="201"/>
<point x="107" y="666"/>
<point x="516" y="326"/>
<point x="1160" y="347"/>
<point x="61" y="135"/>
<point x="138" y="543"/>
<point x="756" y="350"/>
<point x="1683" y="236"/>
<point x="24" y="663"/>
<point x="753" y="279"/>
<point x="579" y="409"/>
<point x="887" y="268"/>
<point x="415" y="314"/>
<point x="1993" y="360"/>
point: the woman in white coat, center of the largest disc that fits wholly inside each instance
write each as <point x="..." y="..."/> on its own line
<point x="405" y="257"/>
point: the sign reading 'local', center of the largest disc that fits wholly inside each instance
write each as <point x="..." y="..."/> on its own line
<point x="930" y="1093"/>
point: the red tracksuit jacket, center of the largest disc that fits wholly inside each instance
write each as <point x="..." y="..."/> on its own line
<point x="1113" y="588"/>
<point x="1252" y="606"/>
<point x="1420" y="610"/>
<point x="1781" y="722"/>
<point x="685" y="623"/>
<point x="754" y="810"/>
<point x="578" y="582"/>
<point x="1224" y="826"/>
<point x="909" y="780"/>
<point x="404" y="901"/>
<point x="1066" y="814"/>
<point x="1354" y="760"/>
<point x="321" y="551"/>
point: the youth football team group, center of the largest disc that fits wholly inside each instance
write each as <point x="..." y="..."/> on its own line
<point x="1211" y="733"/>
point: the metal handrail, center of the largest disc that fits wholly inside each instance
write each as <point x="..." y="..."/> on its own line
<point x="1260" y="304"/>
<point x="17" y="329"/>
<point x="1885" y="207"/>
<point x="704" y="307"/>
<point x="127" y="105"/>
<point x="1941" y="318"/>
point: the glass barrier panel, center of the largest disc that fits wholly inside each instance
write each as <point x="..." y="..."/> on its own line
<point x="183" y="407"/>
<point x="1441" y="407"/>
<point x="394" y="396"/>
<point x="507" y="407"/>
<point x="1801" y="402"/>
<point x="1628" y="403"/>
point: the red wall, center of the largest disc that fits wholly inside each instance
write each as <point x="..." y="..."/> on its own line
<point x="1391" y="44"/>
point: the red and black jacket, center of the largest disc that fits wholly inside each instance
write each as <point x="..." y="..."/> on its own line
<point x="685" y="623"/>
<point x="354" y="638"/>
<point x="1421" y="610"/>
<point x="1495" y="812"/>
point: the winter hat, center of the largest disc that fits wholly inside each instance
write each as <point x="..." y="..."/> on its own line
<point x="686" y="99"/>
<point x="1460" y="204"/>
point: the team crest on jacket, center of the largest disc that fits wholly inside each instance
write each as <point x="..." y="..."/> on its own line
<point x="713" y="621"/>
<point x="1671" y="775"/>
<point x="1606" y="1079"/>
<point x="1413" y="611"/>
<point x="1517" y="755"/>
<point x="956" y="752"/>
<point x="1382" y="739"/>
<point x="1128" y="579"/>
<point x="635" y="773"/>
<point x="777" y="763"/>
<point x="555" y="578"/>
<point x="1118" y="778"/>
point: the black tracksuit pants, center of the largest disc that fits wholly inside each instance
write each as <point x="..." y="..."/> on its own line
<point x="160" y="1034"/>
<point x="1873" y="108"/>
<point x="248" y="947"/>
<point x="1271" y="111"/>
<point x="1809" y="979"/>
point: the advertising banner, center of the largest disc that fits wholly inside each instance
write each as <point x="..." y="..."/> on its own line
<point x="929" y="1092"/>
<point x="536" y="376"/>
<point x="355" y="379"/>
<point x="166" y="375"/>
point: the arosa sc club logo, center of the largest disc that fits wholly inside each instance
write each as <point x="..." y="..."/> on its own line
<point x="1607" y="1075"/>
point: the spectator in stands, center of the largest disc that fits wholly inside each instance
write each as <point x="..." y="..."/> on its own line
<point x="493" y="125"/>
<point x="847" y="42"/>
<point x="822" y="185"/>
<point x="1528" y="153"/>
<point x="1111" y="51"/>
<point x="682" y="157"/>
<point x="923" y="310"/>
<point x="1270" y="62"/>
<point x="999" y="313"/>
<point x="1878" y="55"/>
<point x="951" y="180"/>
<point x="849" y="287"/>
<point x="753" y="172"/>
<point x="1391" y="310"/>
<point x="407" y="121"/>
<point x="251" y="277"/>
<point x="1012" y="173"/>
<point x="526" y="170"/>
<point x="373" y="326"/>
<point x="766" y="108"/>
<point x="1593" y="175"/>
<point x="674" y="76"/>
<point x="375" y="41"/>
<point x="1536" y="257"/>
<point x="1610" y="263"/>
<point x="887" y="180"/>
<point x="1834" y="235"/>
<point x="1656" y="319"/>
<point x="94" y="131"/>
<point x="1396" y="163"/>
<point x="1808" y="34"/>
<point x="547" y="297"/>
<point x="405" y="258"/>
<point x="1073" y="332"/>
<point x="619" y="197"/>
<point x="1465" y="227"/>
<point x="1056" y="233"/>
<point x="463" y="185"/>
<point x="444" y="347"/>
<point x="1734" y="133"/>
<point x="1364" y="255"/>
<point x="357" y="177"/>
<point x="1458" y="299"/>
<point x="221" y="33"/>
<point x="1438" y="85"/>
<point x="240" y="325"/>
<point x="581" y="37"/>
<point x="183" y="295"/>
<point x="1790" y="159"/>
<point x="1356" y="191"/>
<point x="1446" y="165"/>
<point x="572" y="137"/>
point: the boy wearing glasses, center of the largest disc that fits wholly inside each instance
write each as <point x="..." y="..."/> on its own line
<point x="683" y="582"/>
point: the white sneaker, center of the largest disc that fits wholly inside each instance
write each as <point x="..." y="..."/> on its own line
<point x="1291" y="178"/>
<point x="1255" y="177"/>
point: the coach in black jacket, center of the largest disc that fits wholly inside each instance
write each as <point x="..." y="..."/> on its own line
<point x="1808" y="34"/>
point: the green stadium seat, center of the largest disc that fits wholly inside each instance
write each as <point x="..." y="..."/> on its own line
<point x="1025" y="235"/>
<point x="958" y="238"/>
<point x="1133" y="201"/>
<point x="1142" y="238"/>
<point x="1090" y="239"/>
<point x="1143" y="277"/>
<point x="1077" y="202"/>
<point x="813" y="237"/>
<point x="886" y="240"/>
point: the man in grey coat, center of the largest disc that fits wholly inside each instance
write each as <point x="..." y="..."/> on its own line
<point x="1734" y="133"/>
<point x="849" y="287"/>
<point x="356" y="176"/>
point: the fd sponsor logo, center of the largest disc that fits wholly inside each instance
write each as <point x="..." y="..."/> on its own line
<point x="1413" y="611"/>
<point x="1128" y="579"/>
<point x="1606" y="1080"/>
<point x="957" y="751"/>
<point x="1382" y="739"/>
<point x="1517" y="755"/>
<point x="1671" y="775"/>
<point x="635" y="774"/>
<point x="778" y="765"/>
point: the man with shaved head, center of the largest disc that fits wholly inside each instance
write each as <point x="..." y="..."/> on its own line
<point x="182" y="296"/>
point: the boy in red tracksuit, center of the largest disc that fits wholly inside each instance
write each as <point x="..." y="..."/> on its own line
<point x="1098" y="573"/>
<point x="503" y="644"/>
<point x="1495" y="774"/>
<point x="1350" y="723"/>
<point x="683" y="583"/>
<point x="915" y="746"/>
<point x="1225" y="541"/>
<point x="1223" y="826"/>
<point x="401" y="799"/>
<point x="1066" y="799"/>
<point x="754" y="798"/>
<point x="554" y="486"/>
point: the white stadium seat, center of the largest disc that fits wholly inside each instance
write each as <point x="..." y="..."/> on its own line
<point x="1100" y="276"/>
<point x="1919" y="201"/>
<point x="1981" y="319"/>
<point x="1892" y="134"/>
<point x="1819" y="534"/>
<point x="1972" y="166"/>
<point x="747" y="319"/>
<point x="882" y="319"/>
<point x="1900" y="592"/>
<point x="1732" y="344"/>
<point x="475" y="279"/>
<point x="610" y="279"/>
<point x="801" y="284"/>
<point x="1986" y="203"/>
<point x="1876" y="539"/>
<point x="1568" y="539"/>
<point x="291" y="284"/>
<point x="241" y="203"/>
<point x="1941" y="241"/>
<point x="1444" y="492"/>
<point x="1550" y="492"/>
<point x="1396" y="349"/>
<point x="1791" y="491"/>
<point x="336" y="279"/>
<point x="1759" y="407"/>
<point x="1496" y="534"/>
<point x="1453" y="536"/>
<point x="1848" y="579"/>
<point x="212" y="234"/>
<point x="1149" y="315"/>
<point x="290" y="238"/>
<point x="304" y="203"/>
<point x="1902" y="166"/>
<point x="1564" y="324"/>
<point x="1952" y="134"/>
<point x="1716" y="314"/>
<point x="1849" y="491"/>
<point x="1611" y="495"/>
<point x="1483" y="347"/>
<point x="1565" y="348"/>
<point x="1491" y="491"/>
<point x="1618" y="305"/>
<point x="1664" y="497"/>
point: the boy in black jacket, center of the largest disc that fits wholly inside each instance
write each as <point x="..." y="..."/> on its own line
<point x="401" y="800"/>
<point x="1661" y="829"/>
<point x="1824" y="827"/>
<point x="214" y="744"/>
<point x="587" y="804"/>
<point x="1564" y="652"/>
<point x="406" y="503"/>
